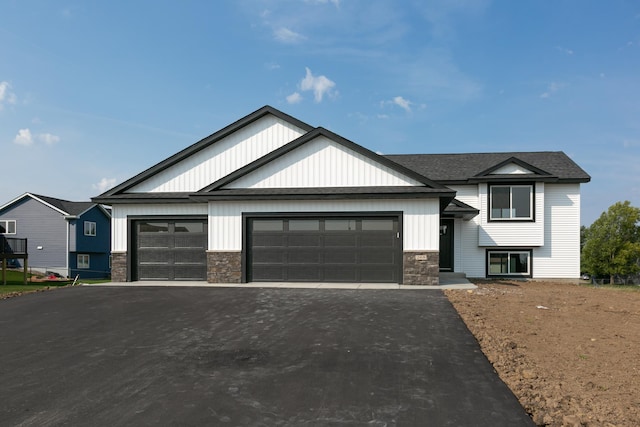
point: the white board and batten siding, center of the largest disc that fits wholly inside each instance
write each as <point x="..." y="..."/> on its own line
<point x="120" y="214"/>
<point x="223" y="157"/>
<point x="322" y="163"/>
<point x="421" y="219"/>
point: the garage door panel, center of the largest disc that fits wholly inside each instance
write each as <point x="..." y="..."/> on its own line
<point x="340" y="256"/>
<point x="262" y="255"/>
<point x="170" y="250"/>
<point x="186" y="241"/>
<point x="324" y="249"/>
<point x="377" y="256"/>
<point x="155" y="272"/>
<point x="153" y="241"/>
<point x="335" y="273"/>
<point x="267" y="273"/>
<point x="189" y="273"/>
<point x="377" y="239"/>
<point x="348" y="240"/>
<point x="307" y="273"/>
<point x="304" y="256"/>
<point x="377" y="274"/>
<point x="269" y="240"/>
<point x="303" y="240"/>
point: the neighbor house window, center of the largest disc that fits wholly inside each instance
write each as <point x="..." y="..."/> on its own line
<point x="7" y="226"/>
<point x="89" y="228"/>
<point x="511" y="202"/>
<point x="509" y="263"/>
<point x="83" y="261"/>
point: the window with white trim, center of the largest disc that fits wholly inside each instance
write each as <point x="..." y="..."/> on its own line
<point x="509" y="263"/>
<point x="89" y="228"/>
<point x="7" y="226"/>
<point x="511" y="202"/>
<point x="83" y="261"/>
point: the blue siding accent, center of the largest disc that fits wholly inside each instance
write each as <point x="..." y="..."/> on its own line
<point x="98" y="247"/>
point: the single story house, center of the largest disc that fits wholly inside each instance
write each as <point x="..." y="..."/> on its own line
<point x="68" y="238"/>
<point x="271" y="198"/>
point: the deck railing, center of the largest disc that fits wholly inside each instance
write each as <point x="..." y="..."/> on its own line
<point x="12" y="246"/>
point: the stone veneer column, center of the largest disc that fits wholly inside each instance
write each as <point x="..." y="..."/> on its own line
<point x="224" y="267"/>
<point x="118" y="266"/>
<point x="421" y="268"/>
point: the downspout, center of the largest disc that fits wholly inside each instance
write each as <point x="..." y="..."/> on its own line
<point x="68" y="237"/>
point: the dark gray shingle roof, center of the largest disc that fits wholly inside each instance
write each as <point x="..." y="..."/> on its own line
<point x="458" y="168"/>
<point x="72" y="208"/>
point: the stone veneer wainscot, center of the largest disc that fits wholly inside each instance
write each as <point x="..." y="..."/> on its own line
<point x="224" y="267"/>
<point x="421" y="268"/>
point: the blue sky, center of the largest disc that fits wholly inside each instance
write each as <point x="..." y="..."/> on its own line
<point x="92" y="93"/>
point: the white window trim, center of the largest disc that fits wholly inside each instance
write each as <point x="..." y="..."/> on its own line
<point x="82" y="265"/>
<point x="511" y="218"/>
<point x="6" y="226"/>
<point x="509" y="253"/>
<point x="94" y="228"/>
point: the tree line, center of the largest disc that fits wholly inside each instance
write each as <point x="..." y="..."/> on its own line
<point x="610" y="247"/>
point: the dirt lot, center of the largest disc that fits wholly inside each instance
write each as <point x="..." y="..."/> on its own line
<point x="570" y="353"/>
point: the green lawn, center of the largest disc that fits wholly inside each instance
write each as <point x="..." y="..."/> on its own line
<point x="15" y="284"/>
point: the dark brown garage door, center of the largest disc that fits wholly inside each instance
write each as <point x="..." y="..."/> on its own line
<point x="170" y="250"/>
<point x="342" y="249"/>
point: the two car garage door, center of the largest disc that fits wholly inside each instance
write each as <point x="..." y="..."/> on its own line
<point x="340" y="249"/>
<point x="304" y="249"/>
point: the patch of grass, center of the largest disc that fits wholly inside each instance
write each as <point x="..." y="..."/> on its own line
<point x="627" y="288"/>
<point x="9" y="289"/>
<point x="92" y="281"/>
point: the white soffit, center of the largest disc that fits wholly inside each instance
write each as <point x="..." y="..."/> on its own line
<point x="322" y="163"/>
<point x="222" y="157"/>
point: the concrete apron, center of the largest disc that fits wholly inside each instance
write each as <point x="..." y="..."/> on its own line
<point x="449" y="283"/>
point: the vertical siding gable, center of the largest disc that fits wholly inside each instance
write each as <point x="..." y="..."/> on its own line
<point x="511" y="169"/>
<point x="322" y="163"/>
<point x="222" y="157"/>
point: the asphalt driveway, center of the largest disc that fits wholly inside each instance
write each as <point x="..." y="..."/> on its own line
<point x="237" y="356"/>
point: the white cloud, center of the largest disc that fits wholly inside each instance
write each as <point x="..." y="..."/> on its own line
<point x="6" y="96"/>
<point x="336" y="3"/>
<point x="552" y="88"/>
<point x="564" y="50"/>
<point x="320" y="85"/>
<point x="285" y="35"/>
<point x="23" y="137"/>
<point x="104" y="184"/>
<point x="48" y="138"/>
<point x="26" y="138"/>
<point x="403" y="103"/>
<point x="294" y="98"/>
<point x="272" y="66"/>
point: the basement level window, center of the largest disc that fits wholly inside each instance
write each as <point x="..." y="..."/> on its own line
<point x="83" y="261"/>
<point x="7" y="226"/>
<point x="509" y="263"/>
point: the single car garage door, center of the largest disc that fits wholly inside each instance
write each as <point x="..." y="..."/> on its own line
<point x="170" y="250"/>
<point x="329" y="249"/>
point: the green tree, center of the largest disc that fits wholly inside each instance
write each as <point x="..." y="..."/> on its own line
<point x="612" y="243"/>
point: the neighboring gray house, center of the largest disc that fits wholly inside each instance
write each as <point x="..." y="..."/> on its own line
<point x="271" y="198"/>
<point x="70" y="238"/>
